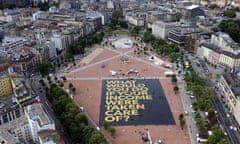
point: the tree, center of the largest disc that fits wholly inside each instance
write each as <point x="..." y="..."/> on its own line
<point x="43" y="68"/>
<point x="112" y="131"/>
<point x="173" y="78"/>
<point x="116" y="14"/>
<point x="180" y="116"/>
<point x="74" y="132"/>
<point x="70" y="85"/>
<point x="105" y="125"/>
<point x="182" y="123"/>
<point x="123" y="24"/>
<point x="134" y="30"/>
<point x="64" y="78"/>
<point x="80" y="118"/>
<point x="231" y="27"/>
<point x="229" y="13"/>
<point x="96" y="138"/>
<point x="148" y="37"/>
<point x="41" y="81"/>
<point x="175" y="89"/>
<point x="213" y="6"/>
<point x="216" y="136"/>
<point x="73" y="89"/>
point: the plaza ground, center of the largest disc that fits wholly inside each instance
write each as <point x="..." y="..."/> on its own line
<point x="87" y="79"/>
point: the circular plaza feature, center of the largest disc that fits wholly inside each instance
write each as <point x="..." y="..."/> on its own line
<point x="123" y="43"/>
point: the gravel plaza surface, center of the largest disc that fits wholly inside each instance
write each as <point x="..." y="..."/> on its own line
<point x="90" y="83"/>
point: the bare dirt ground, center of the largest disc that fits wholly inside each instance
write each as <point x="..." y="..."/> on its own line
<point x="87" y="80"/>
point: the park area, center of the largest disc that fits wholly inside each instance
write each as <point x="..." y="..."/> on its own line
<point x="130" y="93"/>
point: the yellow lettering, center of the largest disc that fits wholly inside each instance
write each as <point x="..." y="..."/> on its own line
<point x="109" y="119"/>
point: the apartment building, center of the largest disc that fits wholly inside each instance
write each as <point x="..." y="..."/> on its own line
<point x="229" y="86"/>
<point x="5" y="85"/>
<point x="38" y="120"/>
<point x="222" y="50"/>
<point x="160" y="28"/>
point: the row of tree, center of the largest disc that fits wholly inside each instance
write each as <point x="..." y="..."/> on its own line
<point x="203" y="104"/>
<point x="75" y="122"/>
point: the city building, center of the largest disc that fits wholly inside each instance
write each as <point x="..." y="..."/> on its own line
<point x="136" y="18"/>
<point x="38" y="120"/>
<point x="9" y="110"/>
<point x="178" y="35"/>
<point x="22" y="90"/>
<point x="221" y="50"/>
<point x="59" y="41"/>
<point x="49" y="137"/>
<point x="191" y="43"/>
<point x="160" y="29"/>
<point x="229" y="86"/>
<point x="5" y="85"/>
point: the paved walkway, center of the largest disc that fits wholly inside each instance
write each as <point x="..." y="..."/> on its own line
<point x="126" y="54"/>
<point x="92" y="56"/>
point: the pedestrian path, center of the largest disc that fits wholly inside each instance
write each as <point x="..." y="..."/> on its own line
<point x="92" y="56"/>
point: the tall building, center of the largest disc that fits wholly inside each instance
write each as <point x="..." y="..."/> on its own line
<point x="5" y="85"/>
<point x="160" y="29"/>
<point x="230" y="91"/>
<point x="38" y="120"/>
<point x="59" y="41"/>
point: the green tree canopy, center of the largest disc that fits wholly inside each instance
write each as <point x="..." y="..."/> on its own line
<point x="229" y="13"/>
<point x="97" y="138"/>
<point x="231" y="27"/>
<point x="43" y="68"/>
<point x="116" y="14"/>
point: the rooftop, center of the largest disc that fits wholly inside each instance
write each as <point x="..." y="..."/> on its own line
<point x="50" y="136"/>
<point x="37" y="113"/>
<point x="192" y="7"/>
<point x="7" y="130"/>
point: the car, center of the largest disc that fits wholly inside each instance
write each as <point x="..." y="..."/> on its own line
<point x="194" y="121"/>
<point x="235" y="128"/>
<point x="186" y="113"/>
<point x="192" y="97"/>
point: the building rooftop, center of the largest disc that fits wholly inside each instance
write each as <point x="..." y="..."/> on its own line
<point x="7" y="130"/>
<point x="185" y="31"/>
<point x="220" y="51"/>
<point x="192" y="7"/>
<point x="6" y="138"/>
<point x="47" y="136"/>
<point x="37" y="112"/>
<point x="7" y="104"/>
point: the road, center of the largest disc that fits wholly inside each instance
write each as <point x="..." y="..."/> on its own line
<point x="232" y="136"/>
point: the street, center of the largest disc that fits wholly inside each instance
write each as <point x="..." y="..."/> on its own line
<point x="212" y="74"/>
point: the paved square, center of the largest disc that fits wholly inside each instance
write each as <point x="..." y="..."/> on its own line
<point x="134" y="102"/>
